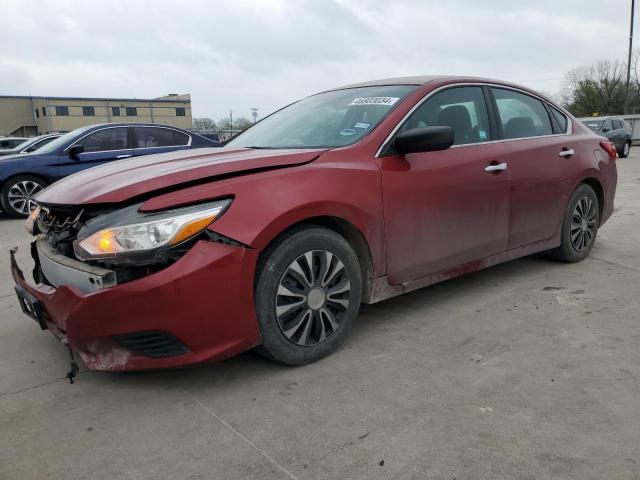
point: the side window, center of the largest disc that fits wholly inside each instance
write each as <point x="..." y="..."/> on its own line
<point x="461" y="108"/>
<point x="561" y="118"/>
<point x="618" y="124"/>
<point x="107" y="139"/>
<point x="147" y="137"/>
<point x="608" y="126"/>
<point x="521" y="116"/>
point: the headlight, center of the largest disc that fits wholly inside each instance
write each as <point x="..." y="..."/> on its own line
<point x="129" y="232"/>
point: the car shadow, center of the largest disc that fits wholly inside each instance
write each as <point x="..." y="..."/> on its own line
<point x="249" y="366"/>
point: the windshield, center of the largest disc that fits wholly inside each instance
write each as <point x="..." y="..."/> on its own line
<point x="54" y="145"/>
<point x="26" y="143"/>
<point x="594" y="124"/>
<point x="327" y="120"/>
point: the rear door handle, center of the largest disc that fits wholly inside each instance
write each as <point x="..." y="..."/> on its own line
<point x="567" y="153"/>
<point x="123" y="156"/>
<point x="495" y="168"/>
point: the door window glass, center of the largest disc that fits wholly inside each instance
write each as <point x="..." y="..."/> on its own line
<point x="107" y="139"/>
<point x="147" y="137"/>
<point x="561" y="118"/>
<point x="521" y="115"/>
<point x="461" y="108"/>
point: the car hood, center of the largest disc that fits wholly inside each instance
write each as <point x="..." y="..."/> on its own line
<point x="120" y="181"/>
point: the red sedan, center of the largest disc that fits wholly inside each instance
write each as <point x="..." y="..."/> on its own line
<point x="352" y="195"/>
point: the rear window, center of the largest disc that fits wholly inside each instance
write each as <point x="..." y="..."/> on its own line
<point x="594" y="125"/>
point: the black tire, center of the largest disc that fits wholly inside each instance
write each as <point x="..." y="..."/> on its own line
<point x="583" y="208"/>
<point x="14" y="185"/>
<point x="624" y="151"/>
<point x="315" y="319"/>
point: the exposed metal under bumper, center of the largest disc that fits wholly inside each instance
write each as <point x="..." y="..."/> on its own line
<point x="61" y="270"/>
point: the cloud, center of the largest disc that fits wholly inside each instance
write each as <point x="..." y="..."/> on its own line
<point x="243" y="54"/>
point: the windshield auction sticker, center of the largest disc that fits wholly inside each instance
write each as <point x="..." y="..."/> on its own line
<point x="388" y="101"/>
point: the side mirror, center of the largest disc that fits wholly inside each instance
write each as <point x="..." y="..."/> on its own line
<point x="605" y="129"/>
<point x="428" y="139"/>
<point x="75" y="151"/>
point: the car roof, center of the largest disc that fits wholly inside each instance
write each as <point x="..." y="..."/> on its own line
<point x="604" y="117"/>
<point x="133" y="124"/>
<point x="423" y="79"/>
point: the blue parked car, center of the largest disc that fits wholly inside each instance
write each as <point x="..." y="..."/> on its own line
<point x="22" y="176"/>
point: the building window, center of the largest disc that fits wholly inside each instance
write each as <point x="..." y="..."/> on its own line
<point x="89" y="111"/>
<point x="62" y="111"/>
<point x="44" y="111"/>
<point x="180" y="112"/>
<point x="37" y="113"/>
<point x="132" y="112"/>
<point x="115" y="111"/>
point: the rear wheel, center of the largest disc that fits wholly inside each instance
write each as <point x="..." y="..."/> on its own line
<point x="307" y="295"/>
<point x="624" y="151"/>
<point x="580" y="226"/>
<point x="17" y="194"/>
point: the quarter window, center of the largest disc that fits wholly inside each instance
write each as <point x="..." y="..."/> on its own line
<point x="521" y="115"/>
<point x="461" y="108"/>
<point x="132" y="111"/>
<point x="561" y="118"/>
<point x="62" y="111"/>
<point x="89" y="111"/>
<point x="106" y="139"/>
<point x="148" y="137"/>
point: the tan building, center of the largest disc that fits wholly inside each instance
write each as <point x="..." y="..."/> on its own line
<point x="30" y="116"/>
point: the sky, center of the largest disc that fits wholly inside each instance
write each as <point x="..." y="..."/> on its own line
<point x="239" y="54"/>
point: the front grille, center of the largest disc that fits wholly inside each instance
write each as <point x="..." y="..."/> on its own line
<point x="156" y="344"/>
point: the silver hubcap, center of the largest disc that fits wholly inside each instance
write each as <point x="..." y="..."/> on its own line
<point x="21" y="196"/>
<point x="583" y="224"/>
<point x="313" y="297"/>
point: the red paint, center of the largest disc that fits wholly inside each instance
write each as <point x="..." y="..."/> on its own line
<point x="425" y="217"/>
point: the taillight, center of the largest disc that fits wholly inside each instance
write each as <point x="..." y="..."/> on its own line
<point x="610" y="148"/>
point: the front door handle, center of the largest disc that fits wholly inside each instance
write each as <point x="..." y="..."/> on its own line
<point x="498" y="167"/>
<point x="567" y="153"/>
<point x="123" y="156"/>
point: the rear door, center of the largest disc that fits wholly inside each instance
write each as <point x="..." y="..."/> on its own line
<point x="444" y="209"/>
<point x="538" y="155"/>
<point x="100" y="146"/>
<point x="148" y="140"/>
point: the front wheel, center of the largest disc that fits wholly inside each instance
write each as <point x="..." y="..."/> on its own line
<point x="17" y="195"/>
<point x="307" y="295"/>
<point x="580" y="226"/>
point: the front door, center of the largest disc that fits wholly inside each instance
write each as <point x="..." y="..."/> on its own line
<point x="444" y="209"/>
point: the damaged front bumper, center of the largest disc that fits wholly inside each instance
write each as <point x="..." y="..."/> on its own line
<point x="198" y="309"/>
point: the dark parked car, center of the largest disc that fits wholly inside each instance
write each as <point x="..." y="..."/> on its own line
<point x="613" y="128"/>
<point x="352" y="195"/>
<point x="7" y="143"/>
<point x="22" y="176"/>
<point x="30" y="145"/>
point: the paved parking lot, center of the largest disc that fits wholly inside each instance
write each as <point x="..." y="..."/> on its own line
<point x="526" y="370"/>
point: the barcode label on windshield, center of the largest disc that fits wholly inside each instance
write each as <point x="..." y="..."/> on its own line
<point x="375" y="101"/>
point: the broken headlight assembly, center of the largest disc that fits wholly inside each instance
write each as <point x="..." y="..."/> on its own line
<point x="128" y="236"/>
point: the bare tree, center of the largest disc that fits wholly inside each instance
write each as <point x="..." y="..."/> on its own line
<point x="204" y="123"/>
<point x="242" y="123"/>
<point x="595" y="89"/>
